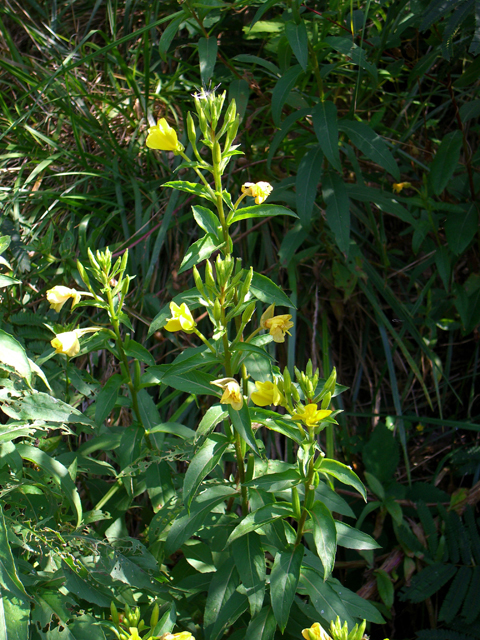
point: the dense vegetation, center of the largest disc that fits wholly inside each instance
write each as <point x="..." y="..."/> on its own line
<point x="364" y="117"/>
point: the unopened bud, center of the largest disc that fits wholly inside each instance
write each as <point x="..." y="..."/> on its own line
<point x="330" y="383"/>
<point x="191" y="132"/>
<point x="209" y="279"/>
<point x="217" y="310"/>
<point x="248" y="313"/>
<point x="309" y="369"/>
<point x="246" y="284"/>
<point x="154" y="617"/>
<point x="83" y="273"/>
<point x="326" y="400"/>
<point x="216" y="153"/>
<point x="114" y="614"/>
<point x="198" y="281"/>
<point x="287" y="380"/>
<point x="125" y="285"/>
<point x="297" y="510"/>
<point x="295" y="394"/>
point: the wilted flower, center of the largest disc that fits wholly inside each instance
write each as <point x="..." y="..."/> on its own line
<point x="232" y="393"/>
<point x="183" y="635"/>
<point x="316" y="632"/>
<point x="258" y="190"/>
<point x="67" y="342"/>
<point x="267" y="393"/>
<point x="310" y="415"/>
<point x="181" y="320"/>
<point x="398" y="186"/>
<point x="278" y="326"/>
<point x="59" y="295"/>
<point x="163" y="137"/>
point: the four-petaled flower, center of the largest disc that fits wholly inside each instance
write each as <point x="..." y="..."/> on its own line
<point x="316" y="632"/>
<point x="59" y="295"/>
<point x="162" y="136"/>
<point x="232" y="393"/>
<point x="278" y="326"/>
<point x="183" y="635"/>
<point x="310" y="415"/>
<point x="181" y="320"/>
<point x="258" y="190"/>
<point x="67" y="342"/>
<point x="267" y="393"/>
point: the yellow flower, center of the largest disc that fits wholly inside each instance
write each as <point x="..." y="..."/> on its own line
<point x="133" y="633"/>
<point x="59" y="295"/>
<point x="310" y="415"/>
<point x="316" y="632"/>
<point x="163" y="137"/>
<point x="398" y="186"/>
<point x="67" y="342"/>
<point x="258" y="190"/>
<point x="181" y="320"/>
<point x="268" y="393"/>
<point x="183" y="635"/>
<point x="232" y="393"/>
<point x="278" y="326"/>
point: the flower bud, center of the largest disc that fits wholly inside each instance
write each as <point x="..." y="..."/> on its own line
<point x="326" y="400"/>
<point x="232" y="131"/>
<point x="198" y="281"/>
<point x="191" y="132"/>
<point x="309" y="368"/>
<point x="248" y="313"/>
<point x="216" y="153"/>
<point x="114" y="614"/>
<point x="209" y="279"/>
<point x="297" y="510"/>
<point x="125" y="285"/>
<point x="217" y="311"/>
<point x="231" y="112"/>
<point x="83" y="273"/>
<point x="246" y="284"/>
<point x="287" y="381"/>
<point x="154" y="617"/>
<point x="295" y="394"/>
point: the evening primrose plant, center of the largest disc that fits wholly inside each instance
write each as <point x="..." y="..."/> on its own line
<point x="235" y="540"/>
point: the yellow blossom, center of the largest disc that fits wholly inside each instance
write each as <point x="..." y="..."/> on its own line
<point x="67" y="342"/>
<point x="163" y="137"/>
<point x="59" y="295"/>
<point x="398" y="186"/>
<point x="258" y="190"/>
<point x="183" y="635"/>
<point x="181" y="320"/>
<point x="310" y="415"/>
<point x="278" y="326"/>
<point x="316" y="632"/>
<point x="267" y="393"/>
<point x="232" y="393"/>
<point x="133" y="633"/>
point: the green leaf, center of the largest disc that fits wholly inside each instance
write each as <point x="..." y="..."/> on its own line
<point x="205" y="459"/>
<point x="187" y="524"/>
<point x="268" y="292"/>
<point x="343" y="473"/>
<point x="207" y="221"/>
<point x="197" y="383"/>
<point x="324" y="535"/>
<point x="207" y="52"/>
<point x="243" y="426"/>
<point x="370" y="144"/>
<point x="105" y="400"/>
<point x="13" y="354"/>
<point x="148" y="410"/>
<point x="429" y="581"/>
<point x="274" y="482"/>
<point x="338" y="209"/>
<point x="169" y="34"/>
<point x="4" y="243"/>
<point x="326" y="130"/>
<point x="385" y="588"/>
<point x="445" y="161"/>
<point x="192" y="188"/>
<point x="381" y="199"/>
<point x="357" y="606"/>
<point x="263" y="626"/>
<point x="58" y="472"/>
<point x="353" y="53"/>
<point x="308" y="176"/>
<point x="353" y="538"/>
<point x="9" y="579"/>
<point x="323" y="597"/>
<point x="250" y="562"/>
<point x="283" y="583"/>
<point x="175" y="429"/>
<point x="14" y="616"/>
<point x="260" y="517"/>
<point x="7" y="281"/>
<point x="298" y="39"/>
<point x="456" y="594"/>
<point x="213" y="416"/>
<point x="41" y="406"/>
<point x="261" y="211"/>
<point x="224" y="604"/>
<point x="138" y="351"/>
<point x="462" y="229"/>
<point x="189" y="360"/>
<point x="282" y="90"/>
<point x="198" y="251"/>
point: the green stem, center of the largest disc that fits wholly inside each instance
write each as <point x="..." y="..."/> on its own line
<point x="308" y="490"/>
<point x="204" y="340"/>
<point x="124" y="359"/>
<point x="111" y="492"/>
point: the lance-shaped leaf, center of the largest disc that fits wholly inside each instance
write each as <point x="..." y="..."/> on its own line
<point x="353" y="538"/>
<point x="371" y="144"/>
<point x="283" y="583"/>
<point x="250" y="562"/>
<point x="326" y="130"/>
<point x="343" y="473"/>
<point x="261" y="211"/>
<point x="243" y="426"/>
<point x="204" y="460"/>
<point x="324" y="535"/>
<point x="260" y="517"/>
